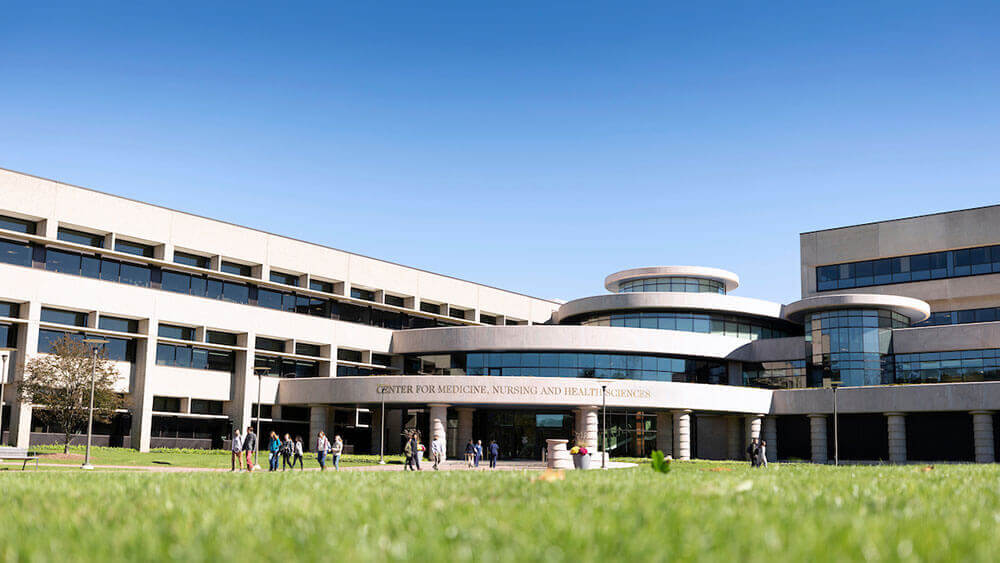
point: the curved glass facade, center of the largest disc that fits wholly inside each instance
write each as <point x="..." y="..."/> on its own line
<point x="570" y="364"/>
<point x="673" y="284"/>
<point x="737" y="326"/>
<point x="851" y="346"/>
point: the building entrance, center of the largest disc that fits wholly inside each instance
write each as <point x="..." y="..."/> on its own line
<point x="521" y="434"/>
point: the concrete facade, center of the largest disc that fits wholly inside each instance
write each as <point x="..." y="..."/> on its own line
<point x="365" y="330"/>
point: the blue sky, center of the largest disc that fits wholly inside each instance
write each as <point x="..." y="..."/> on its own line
<point x="535" y="148"/>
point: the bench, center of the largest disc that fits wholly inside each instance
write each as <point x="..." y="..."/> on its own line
<point x="18" y="454"/>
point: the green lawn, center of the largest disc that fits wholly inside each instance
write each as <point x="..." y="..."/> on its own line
<point x="787" y="513"/>
<point x="177" y="458"/>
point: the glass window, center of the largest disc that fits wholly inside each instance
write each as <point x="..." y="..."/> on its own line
<point x="175" y="332"/>
<point x="268" y="298"/>
<point x="120" y="349"/>
<point x="270" y="344"/>
<point x="110" y="270"/>
<point x="201" y="406"/>
<point x="134" y="248"/>
<point x="364" y="294"/>
<point x="17" y="253"/>
<point x="235" y="293"/>
<point x="166" y="404"/>
<point x="304" y="349"/>
<point x="429" y="307"/>
<point x="397" y="301"/>
<point x="349" y="355"/>
<point x="17" y="225"/>
<point x="9" y="310"/>
<point x="174" y="281"/>
<point x="192" y="260"/>
<point x="90" y="266"/>
<point x="118" y="324"/>
<point x="80" y="237"/>
<point x="286" y="279"/>
<point x="134" y="274"/>
<point x="213" y="289"/>
<point x="237" y="269"/>
<point x="224" y="338"/>
<point x="317" y="285"/>
<point x="60" y="261"/>
<point x="59" y="316"/>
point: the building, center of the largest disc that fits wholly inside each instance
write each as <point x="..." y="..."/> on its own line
<point x="204" y="317"/>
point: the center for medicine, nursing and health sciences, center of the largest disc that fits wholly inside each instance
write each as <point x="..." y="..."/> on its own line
<point x="901" y="316"/>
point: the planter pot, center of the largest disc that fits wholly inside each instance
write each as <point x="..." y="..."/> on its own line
<point x="581" y="461"/>
<point x="576" y="461"/>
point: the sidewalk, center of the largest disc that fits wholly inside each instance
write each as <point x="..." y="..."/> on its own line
<point x="448" y="465"/>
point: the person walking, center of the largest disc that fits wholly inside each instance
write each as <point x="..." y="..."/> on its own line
<point x="287" y="449"/>
<point x="751" y="455"/>
<point x="322" y="447"/>
<point x="479" y="452"/>
<point x="338" y="448"/>
<point x="250" y="447"/>
<point x="237" y="450"/>
<point x="408" y="452"/>
<point x="494" y="453"/>
<point x="762" y="454"/>
<point x="415" y="447"/>
<point x="272" y="450"/>
<point x="437" y="451"/>
<point x="470" y="452"/>
<point x="298" y="453"/>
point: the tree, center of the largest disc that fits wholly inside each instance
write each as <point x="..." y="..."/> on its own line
<point x="59" y="384"/>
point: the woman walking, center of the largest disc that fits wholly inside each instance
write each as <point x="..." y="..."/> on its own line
<point x="338" y="448"/>
<point x="237" y="450"/>
<point x="287" y="449"/>
<point x="298" y="453"/>
<point x="322" y="447"/>
<point x="272" y="450"/>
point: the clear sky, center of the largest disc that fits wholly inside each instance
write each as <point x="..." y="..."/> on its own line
<point x="533" y="146"/>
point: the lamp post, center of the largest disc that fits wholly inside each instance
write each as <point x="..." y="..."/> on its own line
<point x="381" y="435"/>
<point x="3" y="379"/>
<point x="604" y="414"/>
<point x="836" y="436"/>
<point x="259" y="371"/>
<point x="95" y="346"/>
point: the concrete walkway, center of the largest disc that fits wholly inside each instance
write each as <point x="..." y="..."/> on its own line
<point x="448" y="465"/>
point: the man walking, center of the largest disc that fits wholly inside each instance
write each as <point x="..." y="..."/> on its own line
<point x="250" y="447"/>
<point x="494" y="453"/>
<point x="752" y="452"/>
<point x="479" y="452"/>
<point x="437" y="451"/>
<point x="415" y="449"/>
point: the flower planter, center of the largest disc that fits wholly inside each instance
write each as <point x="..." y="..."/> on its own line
<point x="581" y="461"/>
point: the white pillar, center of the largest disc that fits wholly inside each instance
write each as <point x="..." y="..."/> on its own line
<point x="817" y="437"/>
<point x="682" y="434"/>
<point x="897" y="437"/>
<point x="771" y="437"/>
<point x="665" y="433"/>
<point x="752" y="427"/>
<point x="587" y="417"/>
<point x="27" y="345"/>
<point x="141" y="392"/>
<point x="464" y="428"/>
<point x="982" y="432"/>
<point x="557" y="456"/>
<point x="439" y="424"/>
<point x="734" y="442"/>
<point x="241" y="411"/>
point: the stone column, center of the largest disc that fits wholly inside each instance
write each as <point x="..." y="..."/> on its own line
<point x="817" y="437"/>
<point x="771" y="437"/>
<point x="439" y="425"/>
<point x="734" y="441"/>
<point x="752" y="427"/>
<point x="982" y="432"/>
<point x="588" y="423"/>
<point x="665" y="433"/>
<point x="682" y="434"/>
<point x="141" y="392"/>
<point x="27" y="345"/>
<point x="897" y="437"/>
<point x="464" y="428"/>
<point x="241" y="411"/>
<point x="320" y="419"/>
<point x="557" y="456"/>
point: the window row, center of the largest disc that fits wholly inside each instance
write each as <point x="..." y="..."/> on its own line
<point x="706" y="323"/>
<point x="117" y="349"/>
<point x="196" y="358"/>
<point x="284" y="367"/>
<point x="964" y="316"/>
<point x="673" y="284"/>
<point x="21" y="254"/>
<point x="917" y="267"/>
<point x="570" y="364"/>
<point x="788" y="374"/>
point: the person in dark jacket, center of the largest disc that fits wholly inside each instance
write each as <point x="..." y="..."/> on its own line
<point x="470" y="453"/>
<point x="494" y="453"/>
<point x="415" y="448"/>
<point x="752" y="452"/>
<point x="250" y="447"/>
<point x="287" y="450"/>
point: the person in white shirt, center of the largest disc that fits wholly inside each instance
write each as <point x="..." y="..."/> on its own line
<point x="237" y="450"/>
<point x="437" y="451"/>
<point x="338" y="448"/>
<point x="322" y="447"/>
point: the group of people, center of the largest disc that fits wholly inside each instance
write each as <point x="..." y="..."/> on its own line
<point x="474" y="453"/>
<point x="288" y="451"/>
<point x="757" y="453"/>
<point x="413" y="450"/>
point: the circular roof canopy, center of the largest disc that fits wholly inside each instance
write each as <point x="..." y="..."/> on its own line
<point x="729" y="279"/>
<point x="915" y="309"/>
